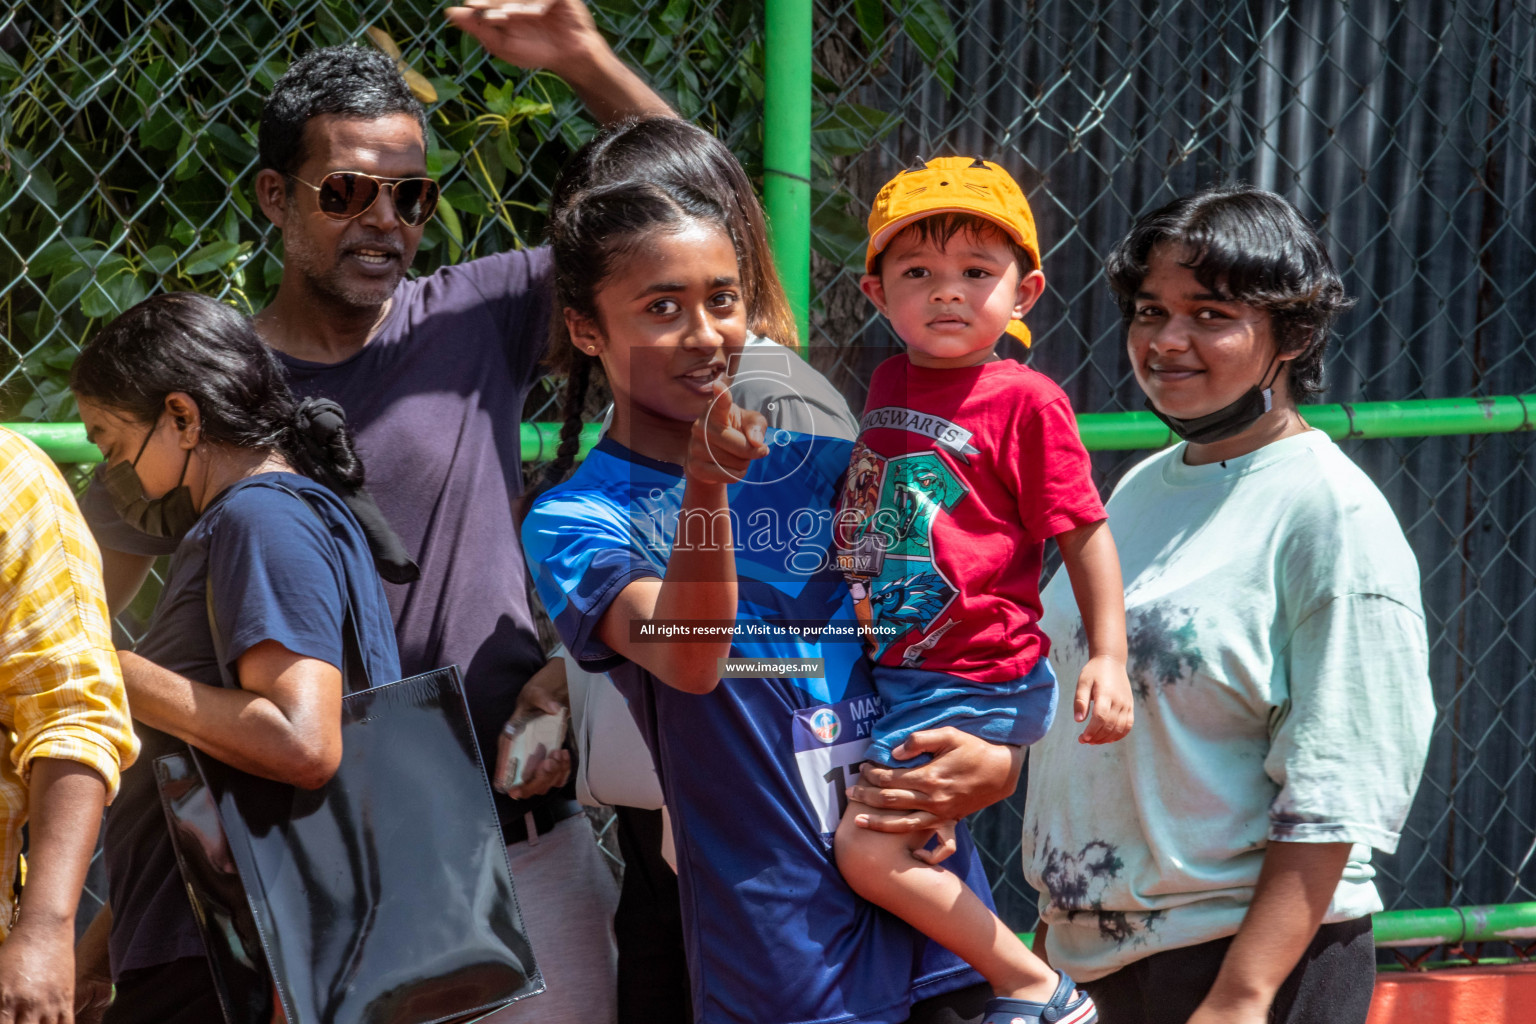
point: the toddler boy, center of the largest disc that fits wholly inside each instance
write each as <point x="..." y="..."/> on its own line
<point x="966" y="463"/>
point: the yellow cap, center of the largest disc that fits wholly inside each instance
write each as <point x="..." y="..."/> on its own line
<point x="953" y="184"/>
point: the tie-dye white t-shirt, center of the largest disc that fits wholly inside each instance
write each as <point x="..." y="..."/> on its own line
<point x="1280" y="670"/>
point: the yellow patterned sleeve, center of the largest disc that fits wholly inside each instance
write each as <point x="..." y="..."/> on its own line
<point x="61" y="690"/>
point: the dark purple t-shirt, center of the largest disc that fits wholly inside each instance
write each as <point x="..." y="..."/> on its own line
<point x="435" y="401"/>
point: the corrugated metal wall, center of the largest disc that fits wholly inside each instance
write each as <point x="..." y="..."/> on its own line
<point x="1405" y="131"/>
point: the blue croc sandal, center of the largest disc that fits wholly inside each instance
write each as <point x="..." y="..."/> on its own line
<point x="1062" y="1009"/>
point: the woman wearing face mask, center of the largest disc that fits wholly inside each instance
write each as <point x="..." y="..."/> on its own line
<point x="1215" y="865"/>
<point x="203" y="442"/>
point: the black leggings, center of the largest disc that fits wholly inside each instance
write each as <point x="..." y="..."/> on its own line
<point x="648" y="927"/>
<point x="1331" y="985"/>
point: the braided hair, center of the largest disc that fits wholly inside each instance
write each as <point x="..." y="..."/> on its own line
<point x="671" y="152"/>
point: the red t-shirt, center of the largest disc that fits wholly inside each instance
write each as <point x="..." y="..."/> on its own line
<point x="958" y="478"/>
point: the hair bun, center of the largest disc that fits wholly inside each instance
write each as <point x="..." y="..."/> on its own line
<point x="320" y="420"/>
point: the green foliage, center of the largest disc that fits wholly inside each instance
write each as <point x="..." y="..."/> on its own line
<point x="847" y="129"/>
<point x="925" y="22"/>
<point x="128" y="145"/>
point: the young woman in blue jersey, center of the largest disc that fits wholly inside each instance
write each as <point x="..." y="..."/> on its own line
<point x="692" y="516"/>
<point x="653" y="968"/>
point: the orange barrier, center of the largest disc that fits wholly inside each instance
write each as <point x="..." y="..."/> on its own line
<point x="1457" y="995"/>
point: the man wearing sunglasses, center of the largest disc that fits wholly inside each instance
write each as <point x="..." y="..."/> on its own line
<point x="433" y="374"/>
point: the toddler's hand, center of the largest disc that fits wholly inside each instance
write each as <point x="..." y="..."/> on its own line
<point x="726" y="438"/>
<point x="945" y="831"/>
<point x="1104" y="684"/>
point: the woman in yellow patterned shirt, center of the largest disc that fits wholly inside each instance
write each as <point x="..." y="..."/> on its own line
<point x="64" y="727"/>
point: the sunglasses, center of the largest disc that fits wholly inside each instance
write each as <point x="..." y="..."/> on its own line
<point x="344" y="195"/>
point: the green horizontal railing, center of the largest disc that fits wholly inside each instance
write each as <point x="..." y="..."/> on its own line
<point x="66" y="443"/>
<point x="1446" y="926"/>
<point x="63" y="442"/>
<point x="1429" y="417"/>
<point x="1102" y="431"/>
<point x="1457" y="926"/>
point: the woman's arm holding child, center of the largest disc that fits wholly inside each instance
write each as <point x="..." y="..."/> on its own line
<point x="967" y="773"/>
<point x="1093" y="565"/>
<point x="700" y="584"/>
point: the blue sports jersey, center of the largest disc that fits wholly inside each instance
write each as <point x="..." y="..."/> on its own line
<point x="753" y="773"/>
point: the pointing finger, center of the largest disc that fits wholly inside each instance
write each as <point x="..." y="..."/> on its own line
<point x="755" y="426"/>
<point x="721" y="406"/>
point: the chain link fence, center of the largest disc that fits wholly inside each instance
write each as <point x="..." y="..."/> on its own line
<point x="1405" y="129"/>
<point x="129" y="146"/>
<point x="128" y="153"/>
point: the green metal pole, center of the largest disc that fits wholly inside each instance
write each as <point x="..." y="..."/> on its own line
<point x="787" y="149"/>
<point x="1450" y="926"/>
<point x="1102" y="431"/>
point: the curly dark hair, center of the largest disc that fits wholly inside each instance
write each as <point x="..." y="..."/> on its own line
<point x="1251" y="246"/>
<point x="352" y="81"/>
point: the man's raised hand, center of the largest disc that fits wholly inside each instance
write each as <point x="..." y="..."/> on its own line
<point x="560" y="36"/>
<point x="550" y="34"/>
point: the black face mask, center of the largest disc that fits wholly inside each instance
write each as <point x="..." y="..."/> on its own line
<point x="1229" y="420"/>
<point x="169" y="516"/>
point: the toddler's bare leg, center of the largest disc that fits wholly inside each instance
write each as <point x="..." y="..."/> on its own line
<point x="884" y="868"/>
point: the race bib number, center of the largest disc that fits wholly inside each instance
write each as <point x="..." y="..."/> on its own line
<point x="830" y="743"/>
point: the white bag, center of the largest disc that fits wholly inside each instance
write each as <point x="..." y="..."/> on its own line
<point x="613" y="764"/>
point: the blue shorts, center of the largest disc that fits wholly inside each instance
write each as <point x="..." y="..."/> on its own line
<point x="1016" y="712"/>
